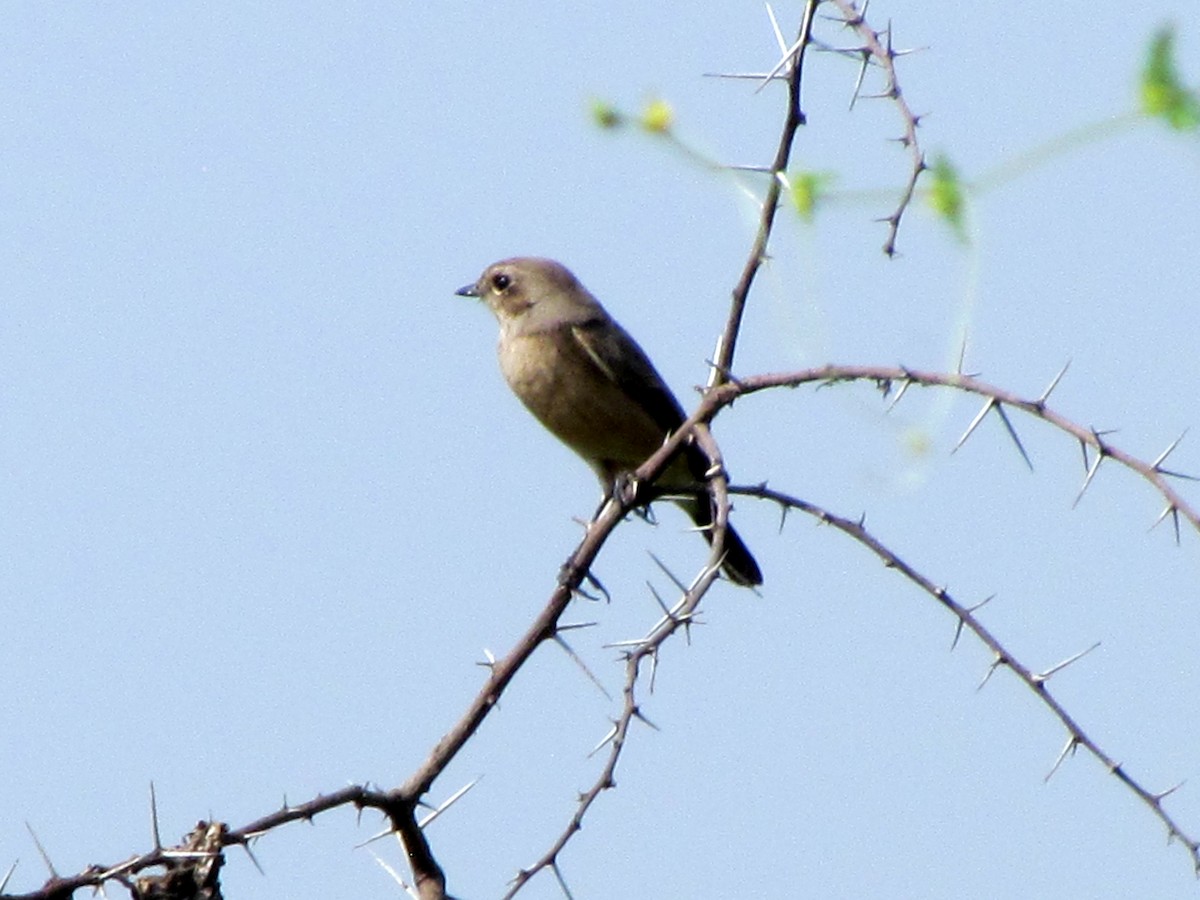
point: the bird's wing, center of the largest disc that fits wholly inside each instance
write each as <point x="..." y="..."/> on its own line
<point x="623" y="362"/>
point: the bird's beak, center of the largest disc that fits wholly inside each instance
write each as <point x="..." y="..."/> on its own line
<point x="467" y="290"/>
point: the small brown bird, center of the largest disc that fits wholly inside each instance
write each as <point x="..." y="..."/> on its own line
<point x="594" y="388"/>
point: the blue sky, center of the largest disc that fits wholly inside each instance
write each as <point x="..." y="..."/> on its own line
<point x="266" y="498"/>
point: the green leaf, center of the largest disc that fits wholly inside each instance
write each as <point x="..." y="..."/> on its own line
<point x="947" y="197"/>
<point x="807" y="190"/>
<point x="1163" y="94"/>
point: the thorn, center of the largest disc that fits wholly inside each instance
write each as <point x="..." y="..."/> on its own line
<point x="1045" y="676"/>
<point x="885" y="95"/>
<point x="719" y="349"/>
<point x="377" y="836"/>
<point x="562" y="882"/>
<point x="1173" y="510"/>
<point x="574" y="626"/>
<point x="858" y="82"/>
<point x="996" y="664"/>
<point x="1070" y="747"/>
<point x="253" y="858"/>
<point x="631" y="642"/>
<point x="982" y="603"/>
<point x="781" y="66"/>
<point x="822" y="47"/>
<point x="962" y="354"/>
<point x="450" y="801"/>
<point x="1092" y="470"/>
<point x="395" y="875"/>
<point x="41" y="850"/>
<point x="775" y="27"/>
<point x="958" y="628"/>
<point x="155" y="836"/>
<point x="785" y="63"/>
<point x="658" y="599"/>
<point x="987" y="407"/>
<point x="637" y="712"/>
<point x="489" y="663"/>
<point x="1171" y="473"/>
<point x="1012" y="433"/>
<point x="595" y="583"/>
<point x="674" y="580"/>
<point x="612" y="733"/>
<point x="741" y="76"/>
<point x="8" y="875"/>
<point x="1162" y="457"/>
<point x="558" y="639"/>
<point x="1053" y="384"/>
<point x="904" y="386"/>
<point x="749" y="167"/>
<point x="1158" y="798"/>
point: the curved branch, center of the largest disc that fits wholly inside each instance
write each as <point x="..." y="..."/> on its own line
<point x="997" y="398"/>
<point x="1035" y="681"/>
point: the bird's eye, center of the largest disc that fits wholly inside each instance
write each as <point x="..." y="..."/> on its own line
<point x="500" y="282"/>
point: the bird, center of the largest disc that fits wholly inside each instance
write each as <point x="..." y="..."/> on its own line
<point x="594" y="388"/>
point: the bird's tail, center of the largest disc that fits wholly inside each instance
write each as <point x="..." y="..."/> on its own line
<point x="739" y="564"/>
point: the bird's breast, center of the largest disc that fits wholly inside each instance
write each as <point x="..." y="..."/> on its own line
<point x="577" y="400"/>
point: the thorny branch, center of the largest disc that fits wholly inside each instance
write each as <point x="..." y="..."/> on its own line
<point x="1096" y="447"/>
<point x="200" y="851"/>
<point x="793" y="64"/>
<point x="398" y="804"/>
<point x="683" y="612"/>
<point x="1035" y="681"/>
<point x="636" y="652"/>
<point x="877" y="49"/>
